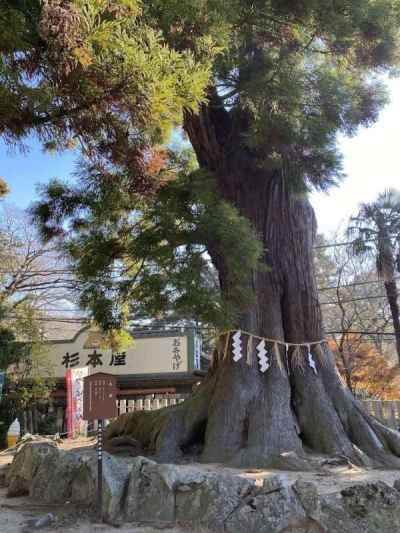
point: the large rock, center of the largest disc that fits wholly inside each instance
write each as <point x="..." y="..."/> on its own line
<point x="214" y="499"/>
<point x="116" y="474"/>
<point x="224" y="500"/>
<point x="54" y="477"/>
<point x="182" y="493"/>
<point x="141" y="490"/>
<point x="26" y="464"/>
<point x="273" y="507"/>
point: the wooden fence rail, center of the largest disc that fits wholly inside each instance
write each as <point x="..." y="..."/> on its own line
<point x="388" y="411"/>
<point x="149" y="403"/>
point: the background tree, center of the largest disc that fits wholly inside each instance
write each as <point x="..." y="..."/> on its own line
<point x="377" y="232"/>
<point x="9" y="350"/>
<point x="354" y="307"/>
<point x="369" y="372"/>
<point x="261" y="91"/>
<point x="32" y="275"/>
<point x="26" y="290"/>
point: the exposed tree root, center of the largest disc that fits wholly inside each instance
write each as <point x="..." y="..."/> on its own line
<point x="241" y="417"/>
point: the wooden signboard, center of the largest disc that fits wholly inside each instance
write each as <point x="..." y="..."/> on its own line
<point x="100" y="403"/>
<point x="100" y="397"/>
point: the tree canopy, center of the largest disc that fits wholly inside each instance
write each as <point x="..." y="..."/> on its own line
<point x="268" y="85"/>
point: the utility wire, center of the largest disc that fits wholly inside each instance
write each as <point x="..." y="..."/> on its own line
<point x="383" y="334"/>
<point x="67" y="320"/>
<point x="337" y="244"/>
<point x="319" y="247"/>
<point x="337" y="302"/>
<point x="355" y="284"/>
<point x="326" y="288"/>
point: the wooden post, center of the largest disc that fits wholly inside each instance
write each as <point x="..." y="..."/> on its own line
<point x="392" y="414"/>
<point x="30" y="422"/>
<point x="397" y="409"/>
<point x="378" y="410"/>
<point x="35" y="420"/>
<point x="24" y="423"/>
<point x="122" y="407"/>
<point x="100" y="470"/>
<point x="147" y="405"/>
<point x="60" y="420"/>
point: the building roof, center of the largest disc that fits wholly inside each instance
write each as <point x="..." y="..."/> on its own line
<point x="64" y="329"/>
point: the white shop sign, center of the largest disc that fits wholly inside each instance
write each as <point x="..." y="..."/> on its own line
<point x="147" y="355"/>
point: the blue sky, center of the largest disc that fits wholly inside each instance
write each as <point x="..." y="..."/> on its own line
<point x="23" y="171"/>
<point x="371" y="162"/>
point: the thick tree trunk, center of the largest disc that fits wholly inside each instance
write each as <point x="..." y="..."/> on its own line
<point x="239" y="415"/>
<point x="392" y="296"/>
<point x="246" y="418"/>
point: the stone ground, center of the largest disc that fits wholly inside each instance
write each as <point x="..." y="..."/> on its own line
<point x="15" y="513"/>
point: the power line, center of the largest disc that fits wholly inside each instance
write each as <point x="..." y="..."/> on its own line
<point x="337" y="302"/>
<point x="337" y="244"/>
<point x="75" y="282"/>
<point x="40" y="272"/>
<point x="389" y="333"/>
<point x="66" y="310"/>
<point x="355" y="284"/>
<point x="66" y="320"/>
<point x="318" y="247"/>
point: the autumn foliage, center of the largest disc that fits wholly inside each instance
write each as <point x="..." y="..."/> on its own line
<point x="368" y="370"/>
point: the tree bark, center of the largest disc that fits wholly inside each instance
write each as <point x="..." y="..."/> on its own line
<point x="392" y="296"/>
<point x="239" y="415"/>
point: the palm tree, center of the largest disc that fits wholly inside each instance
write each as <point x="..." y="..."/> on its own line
<point x="377" y="231"/>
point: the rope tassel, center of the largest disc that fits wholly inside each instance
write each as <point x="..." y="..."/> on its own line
<point x="249" y="350"/>
<point x="226" y="345"/>
<point x="287" y="358"/>
<point x="278" y="357"/>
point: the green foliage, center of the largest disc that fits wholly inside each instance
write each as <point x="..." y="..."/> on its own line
<point x="291" y="74"/>
<point x="152" y="254"/>
<point x="94" y="74"/>
<point x="32" y="378"/>
<point x="376" y="232"/>
<point x="116" y="76"/>
<point x="271" y="83"/>
<point x="117" y="340"/>
<point x="10" y="350"/>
